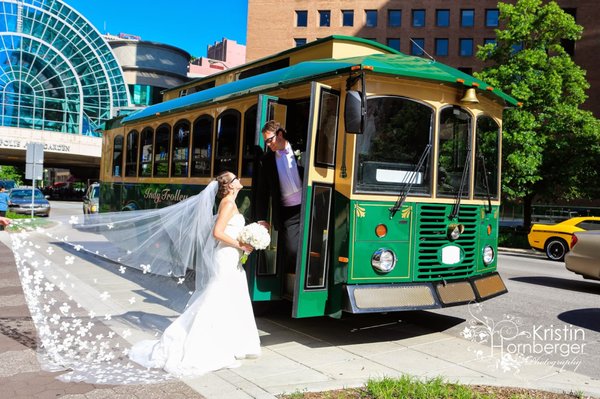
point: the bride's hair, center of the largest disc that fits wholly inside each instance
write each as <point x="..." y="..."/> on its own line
<point x="223" y="179"/>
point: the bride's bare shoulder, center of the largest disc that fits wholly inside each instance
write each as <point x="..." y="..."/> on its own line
<point x="228" y="206"/>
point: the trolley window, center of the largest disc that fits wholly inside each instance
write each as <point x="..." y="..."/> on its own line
<point x="161" y="151"/>
<point x="487" y="150"/>
<point x="202" y="146"/>
<point x="454" y="151"/>
<point x="117" y="155"/>
<point x="228" y="130"/>
<point x="181" y="148"/>
<point x="397" y="135"/>
<point x="131" y="154"/>
<point x="248" y="152"/>
<point x="146" y="142"/>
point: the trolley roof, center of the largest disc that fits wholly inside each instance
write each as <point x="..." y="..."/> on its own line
<point x="392" y="63"/>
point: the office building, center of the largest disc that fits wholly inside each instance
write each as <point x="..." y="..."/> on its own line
<point x="60" y="80"/>
<point x="448" y="31"/>
<point x="148" y="67"/>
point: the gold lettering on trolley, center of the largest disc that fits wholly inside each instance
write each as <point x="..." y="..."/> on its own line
<point x="164" y="195"/>
<point x="406" y="211"/>
<point x="360" y="211"/>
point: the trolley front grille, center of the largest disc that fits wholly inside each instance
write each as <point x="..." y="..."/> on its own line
<point x="432" y="226"/>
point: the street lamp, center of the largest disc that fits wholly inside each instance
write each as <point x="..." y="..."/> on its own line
<point x="213" y="62"/>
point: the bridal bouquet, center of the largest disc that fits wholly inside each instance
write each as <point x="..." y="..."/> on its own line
<point x="256" y="235"/>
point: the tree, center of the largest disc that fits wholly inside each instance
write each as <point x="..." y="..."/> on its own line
<point x="551" y="146"/>
<point x="11" y="173"/>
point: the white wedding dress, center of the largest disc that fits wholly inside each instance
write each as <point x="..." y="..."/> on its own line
<point x="217" y="327"/>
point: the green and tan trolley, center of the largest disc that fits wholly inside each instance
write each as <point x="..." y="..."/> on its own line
<point x="401" y="180"/>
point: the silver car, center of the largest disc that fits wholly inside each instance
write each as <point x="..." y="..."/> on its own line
<point x="584" y="257"/>
<point x="19" y="201"/>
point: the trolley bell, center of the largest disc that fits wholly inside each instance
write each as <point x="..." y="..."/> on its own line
<point x="470" y="96"/>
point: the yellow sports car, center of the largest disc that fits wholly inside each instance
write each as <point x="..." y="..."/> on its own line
<point x="555" y="239"/>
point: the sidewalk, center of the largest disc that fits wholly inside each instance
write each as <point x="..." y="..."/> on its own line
<point x="314" y="354"/>
<point x="20" y="373"/>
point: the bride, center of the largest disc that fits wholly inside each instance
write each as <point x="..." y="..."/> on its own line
<point x="217" y="328"/>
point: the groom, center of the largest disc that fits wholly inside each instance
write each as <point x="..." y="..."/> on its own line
<point x="280" y="180"/>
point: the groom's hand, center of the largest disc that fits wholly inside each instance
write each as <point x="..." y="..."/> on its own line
<point x="247" y="248"/>
<point x="264" y="224"/>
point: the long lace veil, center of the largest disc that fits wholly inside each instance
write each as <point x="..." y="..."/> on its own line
<point x="94" y="284"/>
<point x="170" y="241"/>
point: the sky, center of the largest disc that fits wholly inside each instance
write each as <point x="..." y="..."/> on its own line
<point x="188" y="24"/>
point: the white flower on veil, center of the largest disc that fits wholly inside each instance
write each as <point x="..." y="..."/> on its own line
<point x="256" y="235"/>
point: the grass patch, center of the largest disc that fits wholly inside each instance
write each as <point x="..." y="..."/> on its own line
<point x="407" y="387"/>
<point x="21" y="222"/>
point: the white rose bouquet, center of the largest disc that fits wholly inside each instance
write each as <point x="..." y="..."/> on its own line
<point x="256" y="235"/>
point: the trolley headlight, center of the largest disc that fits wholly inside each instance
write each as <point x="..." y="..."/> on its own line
<point x="93" y="209"/>
<point x="488" y="255"/>
<point x="383" y="260"/>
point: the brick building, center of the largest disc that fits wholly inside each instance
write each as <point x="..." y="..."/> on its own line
<point x="448" y="31"/>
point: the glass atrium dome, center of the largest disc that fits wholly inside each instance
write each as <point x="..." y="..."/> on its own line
<point x="57" y="73"/>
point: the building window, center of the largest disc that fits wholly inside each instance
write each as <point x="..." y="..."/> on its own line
<point x="467" y="70"/>
<point x="347" y="17"/>
<point x="394" y="18"/>
<point x="371" y="18"/>
<point x="417" y="46"/>
<point x="465" y="47"/>
<point x="418" y="18"/>
<point x="325" y="18"/>
<point x="300" y="41"/>
<point x="467" y="18"/>
<point x="393" y="43"/>
<point x="489" y="40"/>
<point x="442" y="18"/>
<point x="441" y="47"/>
<point x="569" y="45"/>
<point x="301" y="18"/>
<point x="491" y="17"/>
<point x="517" y="47"/>
<point x="148" y="95"/>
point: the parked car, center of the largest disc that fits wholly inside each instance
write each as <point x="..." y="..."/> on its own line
<point x="68" y="191"/>
<point x="91" y="199"/>
<point x="584" y="257"/>
<point x="20" y="202"/>
<point x="555" y="239"/>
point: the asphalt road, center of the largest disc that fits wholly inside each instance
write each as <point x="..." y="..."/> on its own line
<point x="550" y="315"/>
<point x="546" y="305"/>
